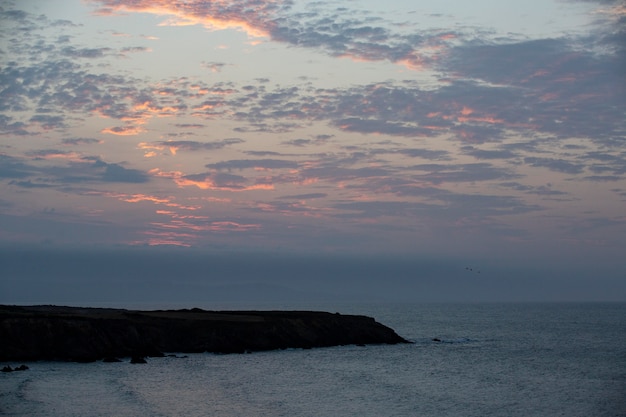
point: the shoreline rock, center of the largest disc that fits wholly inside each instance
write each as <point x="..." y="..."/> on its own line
<point x="8" y="368"/>
<point x="31" y="333"/>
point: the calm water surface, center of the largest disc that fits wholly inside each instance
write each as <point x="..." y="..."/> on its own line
<point x="493" y="360"/>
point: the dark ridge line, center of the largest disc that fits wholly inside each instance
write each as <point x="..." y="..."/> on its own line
<point x="87" y="334"/>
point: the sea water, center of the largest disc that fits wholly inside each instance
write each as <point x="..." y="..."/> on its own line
<point x="490" y="360"/>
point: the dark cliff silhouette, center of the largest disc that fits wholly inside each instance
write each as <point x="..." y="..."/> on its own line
<point x="87" y="334"/>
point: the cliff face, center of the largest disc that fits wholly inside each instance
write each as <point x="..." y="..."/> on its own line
<point x="88" y="334"/>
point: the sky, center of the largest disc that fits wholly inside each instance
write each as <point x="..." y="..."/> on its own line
<point x="433" y="150"/>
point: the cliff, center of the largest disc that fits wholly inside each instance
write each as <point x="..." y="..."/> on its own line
<point x="30" y="333"/>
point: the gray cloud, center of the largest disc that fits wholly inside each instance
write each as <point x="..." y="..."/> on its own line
<point x="8" y="126"/>
<point x="71" y="52"/>
<point x="263" y="153"/>
<point x="459" y="173"/>
<point x="253" y="163"/>
<point x="303" y="143"/>
<point x="444" y="206"/>
<point x="340" y="172"/>
<point x="189" y="125"/>
<point x="298" y="142"/>
<point x="80" y="141"/>
<point x="488" y="154"/>
<point x="345" y="33"/>
<point x="189" y="145"/>
<point x="543" y="190"/>
<point x="221" y="180"/>
<point x="550" y="103"/>
<point x="603" y="178"/>
<point x="425" y="153"/>
<point x="274" y="127"/>
<point x="548" y="76"/>
<point x="93" y="170"/>
<point x="355" y="124"/>
<point x="129" y="50"/>
<point x="11" y="167"/>
<point x="484" y="205"/>
<point x="29" y="184"/>
<point x="557" y="165"/>
<point x="43" y="153"/>
<point x="309" y="196"/>
<point x="385" y="208"/>
<point x="214" y="66"/>
<point x="85" y="170"/>
<point x="495" y="89"/>
<point x="117" y="173"/>
<point x="49" y="122"/>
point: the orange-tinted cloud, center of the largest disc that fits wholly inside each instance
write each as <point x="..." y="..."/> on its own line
<point x="227" y="226"/>
<point x="216" y="226"/>
<point x="127" y="130"/>
<point x="139" y="198"/>
<point x="175" y="145"/>
<point x="413" y="63"/>
<point x="298" y="208"/>
<point x="56" y="155"/>
<point x="150" y="149"/>
<point x="169" y="238"/>
<point x="175" y="215"/>
<point x="614" y="12"/>
<point x="264" y="19"/>
<point x="208" y="184"/>
<point x="250" y="17"/>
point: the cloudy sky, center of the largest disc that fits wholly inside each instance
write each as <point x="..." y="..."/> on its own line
<point x="484" y="131"/>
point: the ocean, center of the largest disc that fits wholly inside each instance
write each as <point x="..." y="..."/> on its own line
<point x="531" y="359"/>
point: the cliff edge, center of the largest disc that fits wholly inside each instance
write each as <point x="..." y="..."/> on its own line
<point x="29" y="333"/>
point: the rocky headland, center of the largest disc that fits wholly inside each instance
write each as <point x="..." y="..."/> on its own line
<point x="30" y="333"/>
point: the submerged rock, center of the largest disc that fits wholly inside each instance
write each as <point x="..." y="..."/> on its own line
<point x="89" y="334"/>
<point x="19" y="368"/>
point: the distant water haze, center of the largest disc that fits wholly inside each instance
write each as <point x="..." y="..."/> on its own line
<point x="194" y="278"/>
